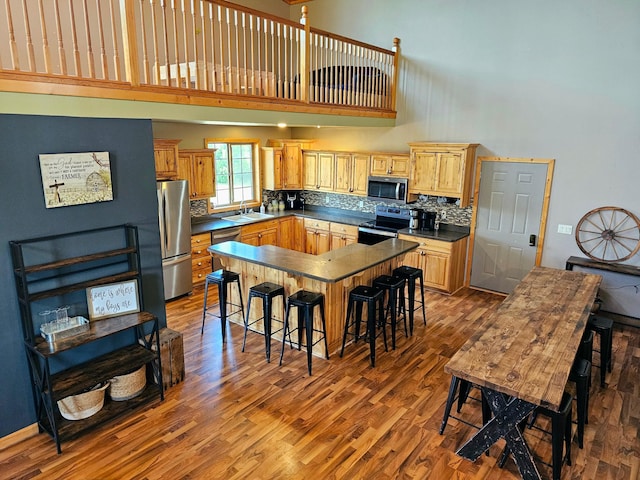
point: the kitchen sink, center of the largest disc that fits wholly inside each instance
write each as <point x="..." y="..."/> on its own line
<point x="248" y="217"/>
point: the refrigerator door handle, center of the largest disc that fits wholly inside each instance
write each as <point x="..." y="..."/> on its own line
<point x="162" y="223"/>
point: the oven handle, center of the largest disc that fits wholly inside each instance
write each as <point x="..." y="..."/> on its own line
<point x="374" y="231"/>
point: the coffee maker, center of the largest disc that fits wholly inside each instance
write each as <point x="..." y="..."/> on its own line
<point x="414" y="218"/>
<point x="427" y="220"/>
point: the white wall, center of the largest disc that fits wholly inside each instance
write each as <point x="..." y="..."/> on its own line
<point x="543" y="79"/>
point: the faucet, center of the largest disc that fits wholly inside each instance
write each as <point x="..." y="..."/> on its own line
<point x="241" y="207"/>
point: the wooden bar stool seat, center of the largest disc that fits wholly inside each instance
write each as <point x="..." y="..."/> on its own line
<point x="267" y="291"/>
<point x="222" y="278"/>
<point x="373" y="297"/>
<point x="306" y="302"/>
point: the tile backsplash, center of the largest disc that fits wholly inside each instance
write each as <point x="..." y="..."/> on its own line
<point x="454" y="214"/>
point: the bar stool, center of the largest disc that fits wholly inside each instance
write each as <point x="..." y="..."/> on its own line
<point x="603" y="327"/>
<point x="394" y="287"/>
<point x="560" y="432"/>
<point x="373" y="297"/>
<point x="460" y="389"/>
<point x="222" y="278"/>
<point x="267" y="292"/>
<point x="305" y="301"/>
<point x="411" y="274"/>
<point x="581" y="375"/>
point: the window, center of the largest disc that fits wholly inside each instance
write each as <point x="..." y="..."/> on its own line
<point x="236" y="172"/>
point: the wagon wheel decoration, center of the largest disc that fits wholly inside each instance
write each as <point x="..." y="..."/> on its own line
<point x="609" y="234"/>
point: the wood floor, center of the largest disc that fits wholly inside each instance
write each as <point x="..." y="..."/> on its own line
<point x="237" y="417"/>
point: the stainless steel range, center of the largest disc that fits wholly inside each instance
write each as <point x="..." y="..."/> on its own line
<point x="386" y="225"/>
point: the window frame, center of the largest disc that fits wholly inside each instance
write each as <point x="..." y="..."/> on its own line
<point x="257" y="187"/>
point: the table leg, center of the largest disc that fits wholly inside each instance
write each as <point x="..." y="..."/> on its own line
<point x="507" y="414"/>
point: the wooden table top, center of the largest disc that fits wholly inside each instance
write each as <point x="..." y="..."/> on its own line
<point x="527" y="346"/>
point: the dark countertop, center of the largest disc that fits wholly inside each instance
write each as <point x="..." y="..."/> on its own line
<point x="446" y="233"/>
<point x="329" y="267"/>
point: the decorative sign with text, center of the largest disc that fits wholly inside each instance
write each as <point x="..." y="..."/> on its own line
<point x="75" y="178"/>
<point x="113" y="299"/>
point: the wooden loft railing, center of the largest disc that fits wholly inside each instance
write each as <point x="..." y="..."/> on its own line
<point x="206" y="52"/>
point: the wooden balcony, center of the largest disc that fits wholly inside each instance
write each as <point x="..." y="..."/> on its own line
<point x="191" y="52"/>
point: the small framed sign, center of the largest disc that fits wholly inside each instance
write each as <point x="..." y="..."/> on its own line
<point x="113" y="299"/>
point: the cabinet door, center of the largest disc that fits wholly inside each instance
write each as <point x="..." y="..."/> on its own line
<point x="450" y="174"/>
<point x="423" y="172"/>
<point x="325" y="171"/>
<point x="251" y="239"/>
<point x="292" y="167"/>
<point x="436" y="270"/>
<point x="310" y="242"/>
<point x="359" y="174"/>
<point x="269" y="237"/>
<point x="344" y="174"/>
<point x="165" y="153"/>
<point x="323" y="244"/>
<point x="271" y="168"/>
<point x="286" y="232"/>
<point x="310" y="170"/>
<point x="203" y="175"/>
<point x="399" y="165"/>
<point x="380" y="165"/>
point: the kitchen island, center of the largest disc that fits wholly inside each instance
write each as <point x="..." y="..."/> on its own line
<point x="333" y="274"/>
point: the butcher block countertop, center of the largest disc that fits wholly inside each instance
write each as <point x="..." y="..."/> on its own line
<point x="329" y="267"/>
<point x="527" y="346"/>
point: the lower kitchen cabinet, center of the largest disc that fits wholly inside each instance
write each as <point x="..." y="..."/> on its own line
<point x="342" y="235"/>
<point x="200" y="257"/>
<point x="291" y="233"/>
<point x="317" y="236"/>
<point x="260" y="233"/>
<point x="442" y="263"/>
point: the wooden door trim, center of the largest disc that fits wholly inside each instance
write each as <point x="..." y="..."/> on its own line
<point x="550" y="162"/>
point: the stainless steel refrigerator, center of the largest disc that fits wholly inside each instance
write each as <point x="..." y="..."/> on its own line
<point x="175" y="236"/>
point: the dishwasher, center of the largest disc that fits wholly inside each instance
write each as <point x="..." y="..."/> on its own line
<point x="224" y="235"/>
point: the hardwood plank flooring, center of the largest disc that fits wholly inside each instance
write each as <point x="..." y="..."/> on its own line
<point x="237" y="417"/>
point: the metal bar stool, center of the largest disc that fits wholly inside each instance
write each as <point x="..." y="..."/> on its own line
<point x="394" y="286"/>
<point x="459" y="389"/>
<point x="305" y="301"/>
<point x="374" y="299"/>
<point x="222" y="278"/>
<point x="603" y="327"/>
<point x="267" y="292"/>
<point x="411" y="274"/>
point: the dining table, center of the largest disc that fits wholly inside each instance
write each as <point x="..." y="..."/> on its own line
<point x="521" y="356"/>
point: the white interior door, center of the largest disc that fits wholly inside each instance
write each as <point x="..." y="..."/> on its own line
<point x="508" y="222"/>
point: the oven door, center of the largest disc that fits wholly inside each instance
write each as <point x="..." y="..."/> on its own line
<point x="371" y="236"/>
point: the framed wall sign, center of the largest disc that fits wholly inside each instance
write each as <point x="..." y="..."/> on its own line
<point x="113" y="299"/>
<point x="75" y="178"/>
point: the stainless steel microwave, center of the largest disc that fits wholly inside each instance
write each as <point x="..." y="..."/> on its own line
<point x="387" y="188"/>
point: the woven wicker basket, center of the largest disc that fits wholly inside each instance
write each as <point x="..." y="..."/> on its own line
<point x="128" y="386"/>
<point x="83" y="405"/>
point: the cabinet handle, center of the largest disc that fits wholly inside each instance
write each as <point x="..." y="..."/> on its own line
<point x="198" y="252"/>
<point x="199" y="264"/>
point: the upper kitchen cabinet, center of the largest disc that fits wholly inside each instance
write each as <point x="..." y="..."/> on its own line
<point x="442" y="169"/>
<point x="352" y="171"/>
<point x="319" y="168"/>
<point x="165" y="153"/>
<point x="282" y="164"/>
<point x="197" y="166"/>
<point x="389" y="165"/>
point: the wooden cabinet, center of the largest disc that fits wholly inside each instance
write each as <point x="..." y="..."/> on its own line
<point x="342" y="235"/>
<point x="442" y="263"/>
<point x="198" y="167"/>
<point x="165" y="153"/>
<point x="201" y="261"/>
<point x="67" y="277"/>
<point x="317" y="236"/>
<point x="393" y="165"/>
<point x="352" y="172"/>
<point x="319" y="168"/>
<point x="283" y="164"/>
<point x="291" y="233"/>
<point x="260" y="233"/>
<point x="442" y="169"/>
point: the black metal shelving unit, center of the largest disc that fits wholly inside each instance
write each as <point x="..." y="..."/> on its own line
<point x="43" y="269"/>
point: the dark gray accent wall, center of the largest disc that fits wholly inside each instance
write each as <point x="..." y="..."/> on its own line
<point x="22" y="139"/>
